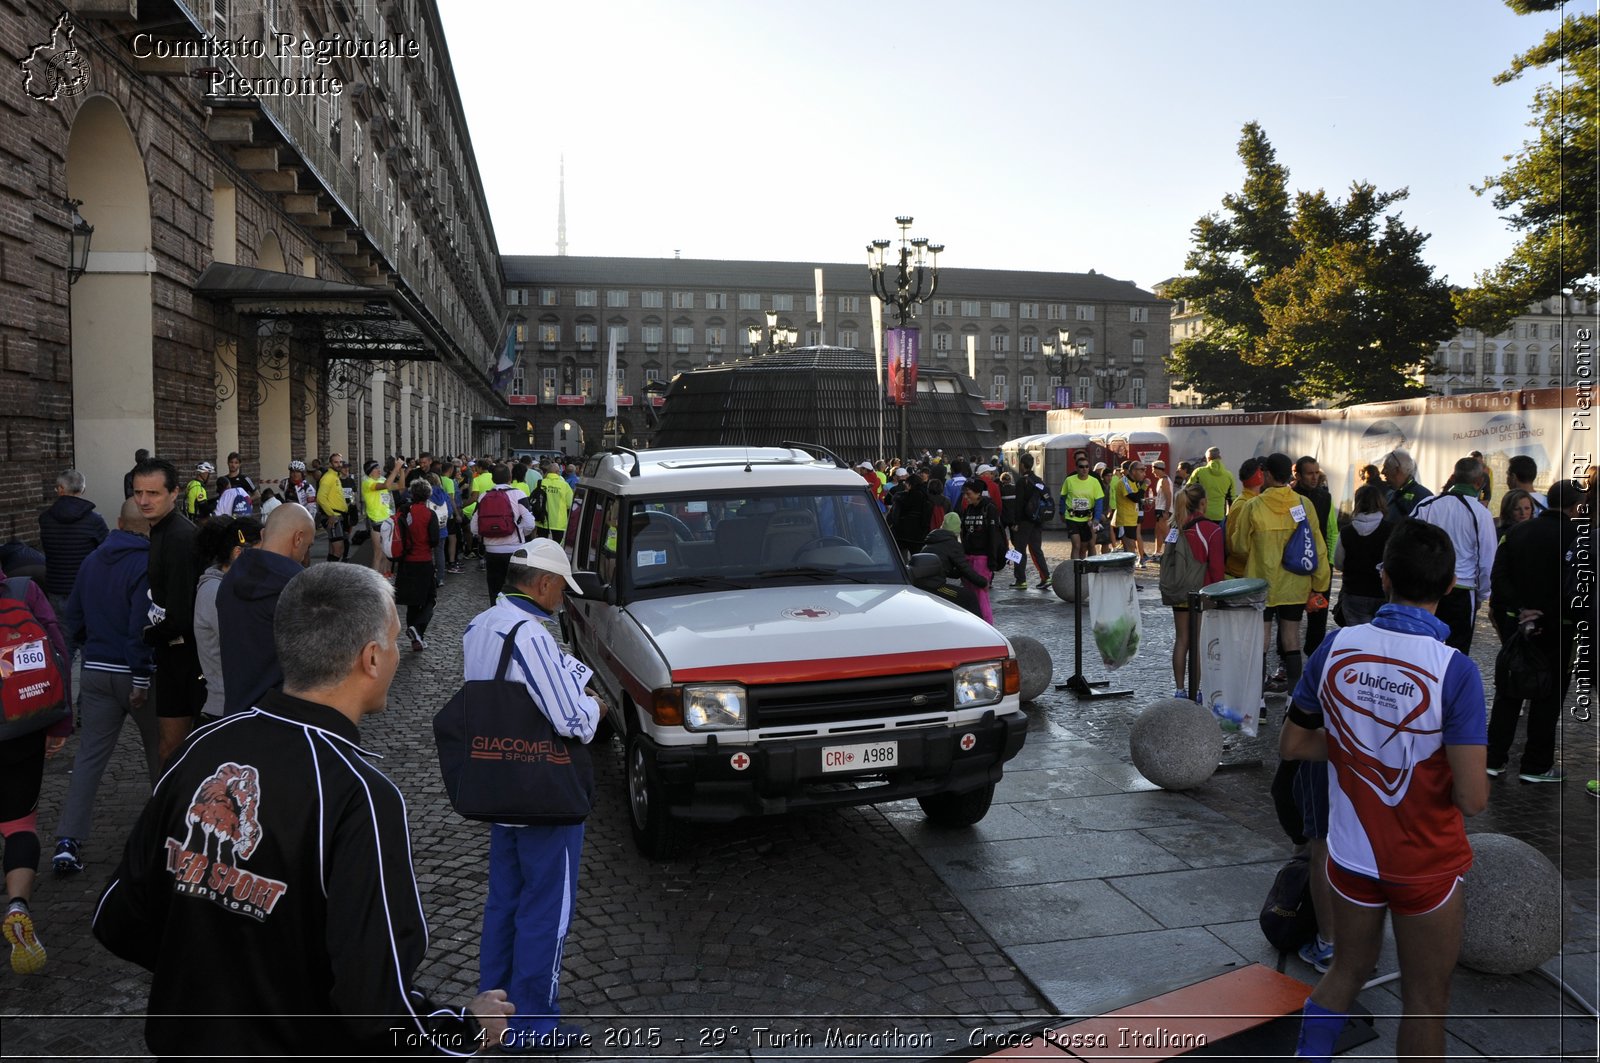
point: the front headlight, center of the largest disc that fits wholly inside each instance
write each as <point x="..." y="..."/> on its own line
<point x="979" y="684"/>
<point x="714" y="708"/>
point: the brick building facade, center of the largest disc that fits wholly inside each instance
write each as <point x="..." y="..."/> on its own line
<point x="281" y="275"/>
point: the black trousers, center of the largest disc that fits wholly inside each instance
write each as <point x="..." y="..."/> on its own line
<point x="1459" y="610"/>
<point x="496" y="566"/>
<point x="1539" y="752"/>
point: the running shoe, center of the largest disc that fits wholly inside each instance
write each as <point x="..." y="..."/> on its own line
<point x="1549" y="775"/>
<point x="27" y="955"/>
<point x="417" y="645"/>
<point x="1495" y="773"/>
<point x="1318" y="954"/>
<point x="66" y="861"/>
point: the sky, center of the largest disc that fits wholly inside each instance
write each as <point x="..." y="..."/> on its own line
<point x="1058" y="135"/>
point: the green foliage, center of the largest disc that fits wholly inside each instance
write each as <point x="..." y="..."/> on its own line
<point x="1322" y="300"/>
<point x="1550" y="187"/>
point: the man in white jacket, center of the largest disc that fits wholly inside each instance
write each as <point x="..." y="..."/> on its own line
<point x="533" y="870"/>
<point x="498" y="548"/>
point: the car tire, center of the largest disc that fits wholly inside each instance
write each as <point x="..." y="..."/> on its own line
<point x="656" y="832"/>
<point x="957" y="810"/>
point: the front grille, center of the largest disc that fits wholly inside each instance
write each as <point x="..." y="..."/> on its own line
<point x="796" y="704"/>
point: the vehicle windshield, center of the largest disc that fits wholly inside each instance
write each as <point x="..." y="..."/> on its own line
<point x="688" y="544"/>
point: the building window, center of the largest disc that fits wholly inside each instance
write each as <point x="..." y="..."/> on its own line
<point x="516" y="381"/>
<point x="651" y="334"/>
<point x="617" y="298"/>
<point x="1028" y="311"/>
<point x="971" y="308"/>
<point x="1085" y="389"/>
<point x="999" y="309"/>
<point x="550" y="334"/>
<point x="618" y="333"/>
<point x="586" y="382"/>
<point x="1138" y="348"/>
<point x="849" y="338"/>
<point x="516" y="297"/>
<point x="683" y="300"/>
<point x="716" y="337"/>
<point x="783" y="302"/>
<point x="682" y="335"/>
<point x="1056" y="311"/>
<point x="587" y="334"/>
<point x="1026" y="394"/>
<point x="1138" y="313"/>
<point x="522" y="332"/>
<point x="1028" y="344"/>
<point x="941" y="308"/>
<point x="716" y="300"/>
<point x="652" y="376"/>
<point x="999" y="343"/>
<point x="1136" y="391"/>
<point x="650" y="300"/>
<point x="585" y="297"/>
<point x="813" y="337"/>
<point x="547" y="384"/>
<point x="942" y="341"/>
<point x="547" y="297"/>
<point x="849" y="304"/>
<point x="749" y="300"/>
<point x="998" y="392"/>
<point x="1085" y="313"/>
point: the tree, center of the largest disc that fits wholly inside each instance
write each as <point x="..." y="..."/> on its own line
<point x="1325" y="300"/>
<point x="1551" y="185"/>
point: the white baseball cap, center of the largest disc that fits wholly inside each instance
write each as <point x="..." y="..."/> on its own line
<point x="547" y="556"/>
<point x="901" y="474"/>
<point x="867" y="465"/>
<point x="984" y="468"/>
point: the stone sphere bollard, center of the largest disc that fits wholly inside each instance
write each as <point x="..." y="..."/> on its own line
<point x="1035" y="663"/>
<point x="1175" y="743"/>
<point x="1062" y="582"/>
<point x="1515" y="902"/>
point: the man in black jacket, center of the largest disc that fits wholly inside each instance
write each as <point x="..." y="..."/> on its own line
<point x="1530" y="572"/>
<point x="911" y="512"/>
<point x="174" y="574"/>
<point x="69" y="531"/>
<point x="247" y="600"/>
<point x="268" y="883"/>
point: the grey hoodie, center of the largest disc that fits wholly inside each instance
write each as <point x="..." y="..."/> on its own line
<point x="208" y="640"/>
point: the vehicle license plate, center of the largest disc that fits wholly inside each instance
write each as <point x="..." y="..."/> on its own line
<point x="861" y="758"/>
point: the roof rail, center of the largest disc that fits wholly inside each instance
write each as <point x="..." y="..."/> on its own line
<point x="617" y="448"/>
<point x="817" y="448"/>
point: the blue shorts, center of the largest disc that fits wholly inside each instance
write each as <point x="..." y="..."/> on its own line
<point x="1311" y="794"/>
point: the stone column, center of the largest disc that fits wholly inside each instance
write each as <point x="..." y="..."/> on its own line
<point x="375" y="399"/>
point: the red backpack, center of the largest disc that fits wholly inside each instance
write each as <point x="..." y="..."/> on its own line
<point x="33" y="687"/>
<point x="496" y="519"/>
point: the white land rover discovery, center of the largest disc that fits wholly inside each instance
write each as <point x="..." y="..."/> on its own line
<point x="755" y="626"/>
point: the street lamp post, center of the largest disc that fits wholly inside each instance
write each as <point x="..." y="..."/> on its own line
<point x="778" y="339"/>
<point x="1111" y="378"/>
<point x="901" y="286"/>
<point x="1063" y="358"/>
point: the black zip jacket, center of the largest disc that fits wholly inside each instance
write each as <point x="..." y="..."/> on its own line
<point x="268" y="887"/>
<point x="69" y="531"/>
<point x="981" y="535"/>
<point x="174" y="575"/>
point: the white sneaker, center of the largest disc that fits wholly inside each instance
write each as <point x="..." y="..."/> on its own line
<point x="417" y="645"/>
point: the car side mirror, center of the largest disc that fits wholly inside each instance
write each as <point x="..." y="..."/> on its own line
<point x="590" y="586"/>
<point x="927" y="571"/>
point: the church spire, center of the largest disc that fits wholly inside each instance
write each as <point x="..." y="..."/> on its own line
<point x="561" y="212"/>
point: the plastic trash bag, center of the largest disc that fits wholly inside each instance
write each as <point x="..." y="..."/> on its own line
<point x="1114" y="615"/>
<point x="1230" y="667"/>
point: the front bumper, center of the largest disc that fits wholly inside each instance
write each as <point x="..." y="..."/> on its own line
<point x="717" y="782"/>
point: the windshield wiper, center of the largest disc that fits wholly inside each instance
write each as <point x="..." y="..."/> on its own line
<point x="692" y="581"/>
<point x="813" y="570"/>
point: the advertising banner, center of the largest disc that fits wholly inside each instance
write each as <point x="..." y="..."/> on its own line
<point x="902" y="344"/>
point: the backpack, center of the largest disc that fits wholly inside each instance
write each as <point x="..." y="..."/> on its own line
<point x="1300" y="552"/>
<point x="389" y="540"/>
<point x="1287" y="918"/>
<point x="1182" y="573"/>
<point x="33" y="685"/>
<point x="538" y="504"/>
<point x="495" y="517"/>
<point x="1041" y="507"/>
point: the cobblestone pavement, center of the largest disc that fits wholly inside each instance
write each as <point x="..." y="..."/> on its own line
<point x="821" y="922"/>
<point x="841" y="921"/>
